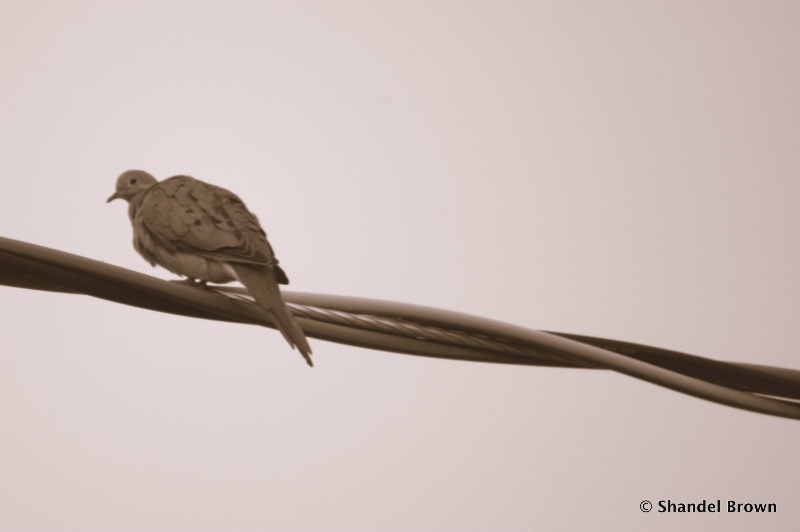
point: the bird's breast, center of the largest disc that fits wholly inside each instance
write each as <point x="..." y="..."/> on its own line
<point x="184" y="263"/>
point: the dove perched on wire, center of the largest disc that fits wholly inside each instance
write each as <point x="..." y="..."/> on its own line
<point x="207" y="234"/>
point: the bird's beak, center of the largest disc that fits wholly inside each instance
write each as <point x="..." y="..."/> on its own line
<point x="112" y="197"/>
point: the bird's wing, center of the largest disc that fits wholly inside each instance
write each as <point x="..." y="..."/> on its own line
<point x="185" y="214"/>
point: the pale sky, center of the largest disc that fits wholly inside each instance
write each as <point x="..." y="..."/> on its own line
<point x="620" y="169"/>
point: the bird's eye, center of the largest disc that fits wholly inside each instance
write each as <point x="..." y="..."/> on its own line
<point x="132" y="181"/>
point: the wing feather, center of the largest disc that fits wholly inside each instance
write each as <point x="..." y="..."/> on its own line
<point x="195" y="217"/>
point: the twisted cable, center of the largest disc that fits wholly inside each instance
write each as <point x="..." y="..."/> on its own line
<point x="411" y="329"/>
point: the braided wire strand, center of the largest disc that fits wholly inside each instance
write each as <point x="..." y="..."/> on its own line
<point x="413" y="330"/>
<point x="408" y="329"/>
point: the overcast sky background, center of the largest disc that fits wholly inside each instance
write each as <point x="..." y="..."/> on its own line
<point x="619" y="169"/>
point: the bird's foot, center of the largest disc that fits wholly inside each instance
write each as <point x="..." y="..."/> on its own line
<point x="192" y="282"/>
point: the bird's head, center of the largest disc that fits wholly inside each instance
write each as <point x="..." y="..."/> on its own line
<point x="131" y="183"/>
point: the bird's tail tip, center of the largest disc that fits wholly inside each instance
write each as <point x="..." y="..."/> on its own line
<point x="304" y="349"/>
<point x="306" y="352"/>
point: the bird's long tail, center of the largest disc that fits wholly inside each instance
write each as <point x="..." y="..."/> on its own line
<point x="263" y="286"/>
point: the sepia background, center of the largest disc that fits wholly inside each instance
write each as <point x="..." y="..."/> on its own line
<point x="619" y="169"/>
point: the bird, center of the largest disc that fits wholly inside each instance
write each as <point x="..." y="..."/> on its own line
<point x="206" y="234"/>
